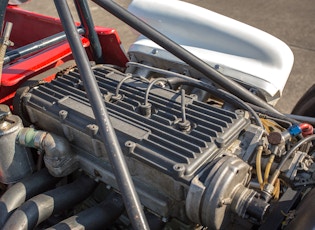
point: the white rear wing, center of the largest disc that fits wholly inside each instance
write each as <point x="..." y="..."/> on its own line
<point x="237" y="50"/>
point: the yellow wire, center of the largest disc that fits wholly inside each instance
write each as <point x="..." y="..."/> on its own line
<point x="268" y="167"/>
<point x="276" y="191"/>
<point x="258" y="167"/>
<point x="270" y="125"/>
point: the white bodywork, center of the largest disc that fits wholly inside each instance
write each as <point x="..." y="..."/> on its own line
<point x="237" y="50"/>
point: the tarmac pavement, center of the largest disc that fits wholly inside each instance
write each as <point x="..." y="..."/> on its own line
<point x="289" y="20"/>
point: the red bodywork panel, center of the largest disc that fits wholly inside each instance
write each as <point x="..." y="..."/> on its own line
<point x="29" y="27"/>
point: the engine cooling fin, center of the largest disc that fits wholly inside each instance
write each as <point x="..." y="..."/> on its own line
<point x="156" y="138"/>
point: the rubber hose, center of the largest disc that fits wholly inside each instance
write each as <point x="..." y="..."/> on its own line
<point x="42" y="206"/>
<point x="36" y="183"/>
<point x="97" y="217"/>
<point x="102" y="216"/>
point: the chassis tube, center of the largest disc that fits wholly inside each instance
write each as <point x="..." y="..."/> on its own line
<point x="3" y="9"/>
<point x="35" y="184"/>
<point x="87" y="22"/>
<point x="171" y="46"/>
<point x="36" y="46"/>
<point x="116" y="157"/>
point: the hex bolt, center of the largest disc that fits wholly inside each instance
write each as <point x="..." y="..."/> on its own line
<point x="239" y="112"/>
<point x="155" y="51"/>
<point x="92" y="129"/>
<point x="180" y="169"/>
<point x="63" y="114"/>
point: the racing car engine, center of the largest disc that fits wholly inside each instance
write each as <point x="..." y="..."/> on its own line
<point x="179" y="134"/>
<point x="187" y="157"/>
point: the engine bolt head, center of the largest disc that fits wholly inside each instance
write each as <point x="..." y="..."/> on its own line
<point x="180" y="169"/>
<point x="63" y="114"/>
<point x="92" y="129"/>
<point x="155" y="51"/>
<point x="240" y="112"/>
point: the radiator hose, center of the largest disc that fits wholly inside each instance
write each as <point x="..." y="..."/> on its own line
<point x="58" y="155"/>
<point x="39" y="208"/>
<point x="96" y="217"/>
<point x="37" y="183"/>
<point x="103" y="215"/>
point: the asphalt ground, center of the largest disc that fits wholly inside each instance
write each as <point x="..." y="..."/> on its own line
<point x="289" y="20"/>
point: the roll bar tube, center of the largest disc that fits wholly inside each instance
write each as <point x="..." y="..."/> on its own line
<point x="116" y="157"/>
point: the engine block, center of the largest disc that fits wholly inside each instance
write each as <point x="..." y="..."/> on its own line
<point x="167" y="137"/>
